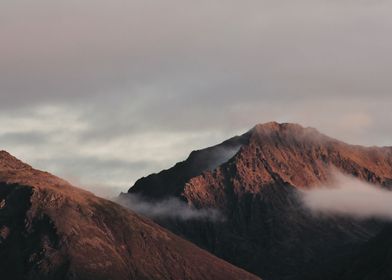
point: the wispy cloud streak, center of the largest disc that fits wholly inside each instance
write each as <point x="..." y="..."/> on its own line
<point x="168" y="208"/>
<point x="350" y="197"/>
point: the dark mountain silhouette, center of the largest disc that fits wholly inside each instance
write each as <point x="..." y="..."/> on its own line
<point x="267" y="231"/>
<point x="52" y="230"/>
<point x="373" y="260"/>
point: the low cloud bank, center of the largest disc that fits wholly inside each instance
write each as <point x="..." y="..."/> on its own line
<point x="350" y="196"/>
<point x="168" y="208"/>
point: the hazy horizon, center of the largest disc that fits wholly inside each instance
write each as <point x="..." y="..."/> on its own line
<point x="102" y="93"/>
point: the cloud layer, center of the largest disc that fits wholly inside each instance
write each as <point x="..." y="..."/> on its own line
<point x="168" y="208"/>
<point x="126" y="88"/>
<point x="350" y="197"/>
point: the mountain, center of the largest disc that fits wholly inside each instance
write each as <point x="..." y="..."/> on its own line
<point x="52" y="230"/>
<point x="255" y="181"/>
<point x="373" y="260"/>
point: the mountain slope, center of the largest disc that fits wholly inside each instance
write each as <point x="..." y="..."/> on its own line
<point x="267" y="231"/>
<point x="52" y="230"/>
<point x="373" y="261"/>
<point x="176" y="177"/>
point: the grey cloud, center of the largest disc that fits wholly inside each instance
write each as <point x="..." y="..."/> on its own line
<point x="350" y="197"/>
<point x="188" y="74"/>
<point x="20" y="138"/>
<point x="91" y="48"/>
<point x="168" y="208"/>
<point x="96" y="165"/>
<point x="104" y="177"/>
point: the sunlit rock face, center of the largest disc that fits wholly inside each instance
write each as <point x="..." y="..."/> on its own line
<point x="266" y="229"/>
<point x="52" y="230"/>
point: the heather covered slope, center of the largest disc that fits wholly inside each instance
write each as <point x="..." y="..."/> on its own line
<point x="267" y="231"/>
<point x="52" y="230"/>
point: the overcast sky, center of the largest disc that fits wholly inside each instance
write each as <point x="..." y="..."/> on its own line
<point x="103" y="92"/>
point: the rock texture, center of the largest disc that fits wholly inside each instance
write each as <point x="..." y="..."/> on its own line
<point x="267" y="231"/>
<point x="52" y="230"/>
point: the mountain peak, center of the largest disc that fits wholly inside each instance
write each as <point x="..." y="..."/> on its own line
<point x="292" y="129"/>
<point x="271" y="125"/>
<point x="8" y="161"/>
<point x="276" y="126"/>
<point x="5" y="155"/>
<point x="258" y="187"/>
<point x="56" y="231"/>
<point x="288" y="133"/>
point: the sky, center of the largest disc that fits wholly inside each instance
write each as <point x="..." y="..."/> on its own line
<point x="105" y="92"/>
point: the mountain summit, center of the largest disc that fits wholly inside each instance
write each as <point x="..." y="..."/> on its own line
<point x="50" y="229"/>
<point x="301" y="157"/>
<point x="255" y="180"/>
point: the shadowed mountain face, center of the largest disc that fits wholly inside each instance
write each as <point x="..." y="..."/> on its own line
<point x="52" y="230"/>
<point x="373" y="260"/>
<point x="267" y="231"/>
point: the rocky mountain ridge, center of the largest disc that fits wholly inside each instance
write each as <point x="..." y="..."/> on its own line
<point x="50" y="229"/>
<point x="267" y="230"/>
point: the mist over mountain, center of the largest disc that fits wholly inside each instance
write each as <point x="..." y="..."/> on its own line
<point x="281" y="202"/>
<point x="52" y="230"/>
<point x="168" y="208"/>
<point x="268" y="230"/>
<point x="200" y="140"/>
<point x="348" y="196"/>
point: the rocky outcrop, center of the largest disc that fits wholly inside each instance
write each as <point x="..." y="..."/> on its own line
<point x="52" y="230"/>
<point x="267" y="231"/>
